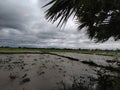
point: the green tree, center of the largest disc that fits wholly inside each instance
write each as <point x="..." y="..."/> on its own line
<point x="100" y="17"/>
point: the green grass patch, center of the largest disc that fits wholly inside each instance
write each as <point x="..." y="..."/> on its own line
<point x="46" y="50"/>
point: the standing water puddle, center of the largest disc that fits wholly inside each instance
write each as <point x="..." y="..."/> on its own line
<point x="51" y="72"/>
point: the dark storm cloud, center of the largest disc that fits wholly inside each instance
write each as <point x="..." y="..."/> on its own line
<point x="23" y="23"/>
<point x="15" y="14"/>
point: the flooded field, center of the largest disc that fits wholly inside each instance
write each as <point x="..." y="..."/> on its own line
<point x="59" y="71"/>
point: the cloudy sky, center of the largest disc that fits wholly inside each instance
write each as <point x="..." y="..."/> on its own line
<point x="23" y="23"/>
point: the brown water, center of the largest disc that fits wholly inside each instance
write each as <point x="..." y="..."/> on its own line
<point x="42" y="72"/>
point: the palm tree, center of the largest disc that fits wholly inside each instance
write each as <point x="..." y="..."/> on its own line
<point x="100" y="17"/>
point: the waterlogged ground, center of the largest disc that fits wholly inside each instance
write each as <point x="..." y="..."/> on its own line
<point x="48" y="71"/>
<point x="98" y="59"/>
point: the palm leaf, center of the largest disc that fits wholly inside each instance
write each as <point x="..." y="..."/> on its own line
<point x="102" y="17"/>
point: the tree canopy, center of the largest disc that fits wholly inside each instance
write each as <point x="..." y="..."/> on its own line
<point x="100" y="17"/>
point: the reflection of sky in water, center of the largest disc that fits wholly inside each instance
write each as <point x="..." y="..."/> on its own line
<point x="37" y="71"/>
<point x="44" y="71"/>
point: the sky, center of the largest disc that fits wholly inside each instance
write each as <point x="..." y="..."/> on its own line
<point x="23" y="24"/>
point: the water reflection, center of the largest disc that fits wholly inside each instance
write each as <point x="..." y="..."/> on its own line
<point x="35" y="72"/>
<point x="105" y="81"/>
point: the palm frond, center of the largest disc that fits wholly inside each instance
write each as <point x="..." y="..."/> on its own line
<point x="102" y="17"/>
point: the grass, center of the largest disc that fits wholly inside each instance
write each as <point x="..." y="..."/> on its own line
<point x="44" y="50"/>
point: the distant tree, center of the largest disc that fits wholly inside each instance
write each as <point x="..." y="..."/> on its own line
<point x="100" y="17"/>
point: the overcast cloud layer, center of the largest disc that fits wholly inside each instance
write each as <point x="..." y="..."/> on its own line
<point x="22" y="23"/>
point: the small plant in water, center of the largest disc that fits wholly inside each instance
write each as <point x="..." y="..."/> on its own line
<point x="106" y="81"/>
<point x="13" y="75"/>
<point x="25" y="80"/>
<point x="90" y="62"/>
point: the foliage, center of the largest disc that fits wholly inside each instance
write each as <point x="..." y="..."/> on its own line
<point x="104" y="81"/>
<point x="100" y="17"/>
<point x="107" y="81"/>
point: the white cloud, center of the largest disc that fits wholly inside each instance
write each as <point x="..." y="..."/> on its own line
<point x="23" y="23"/>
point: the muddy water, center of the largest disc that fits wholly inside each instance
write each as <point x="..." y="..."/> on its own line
<point x="42" y="72"/>
<point x="98" y="59"/>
